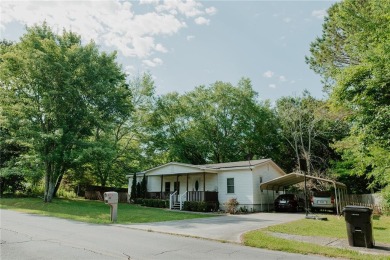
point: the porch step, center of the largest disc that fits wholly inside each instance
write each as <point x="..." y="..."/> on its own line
<point x="176" y="206"/>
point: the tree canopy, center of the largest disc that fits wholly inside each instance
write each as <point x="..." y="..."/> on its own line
<point x="219" y="123"/>
<point x="353" y="56"/>
<point x="56" y="92"/>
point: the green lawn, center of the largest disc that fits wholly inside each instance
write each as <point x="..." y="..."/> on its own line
<point x="93" y="211"/>
<point x="334" y="227"/>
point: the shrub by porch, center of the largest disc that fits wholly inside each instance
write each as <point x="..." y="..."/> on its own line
<point x="201" y="206"/>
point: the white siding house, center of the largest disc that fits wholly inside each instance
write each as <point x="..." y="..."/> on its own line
<point x="212" y="182"/>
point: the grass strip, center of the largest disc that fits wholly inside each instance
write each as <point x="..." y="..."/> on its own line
<point x="94" y="211"/>
<point x="335" y="227"/>
<point x="260" y="239"/>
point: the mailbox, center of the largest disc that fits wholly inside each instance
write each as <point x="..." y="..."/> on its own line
<point x="111" y="197"/>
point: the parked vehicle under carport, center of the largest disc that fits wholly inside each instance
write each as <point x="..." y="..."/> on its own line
<point x="289" y="202"/>
<point x="322" y="200"/>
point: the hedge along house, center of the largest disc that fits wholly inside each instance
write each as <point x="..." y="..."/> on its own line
<point x="220" y="182"/>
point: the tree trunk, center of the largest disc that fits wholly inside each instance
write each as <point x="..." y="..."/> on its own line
<point x="52" y="183"/>
<point x="47" y="196"/>
<point x="57" y="186"/>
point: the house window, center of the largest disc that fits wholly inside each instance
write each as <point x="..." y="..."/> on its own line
<point x="167" y="186"/>
<point x="230" y="185"/>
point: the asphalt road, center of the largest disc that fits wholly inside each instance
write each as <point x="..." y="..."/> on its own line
<point x="26" y="236"/>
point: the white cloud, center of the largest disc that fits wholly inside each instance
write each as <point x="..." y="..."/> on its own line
<point x="272" y="86"/>
<point x="268" y="74"/>
<point x="159" y="47"/>
<point x="292" y="81"/>
<point x="201" y="21"/>
<point x="129" y="69"/>
<point x="153" y="63"/>
<point x="149" y="2"/>
<point x="111" y="23"/>
<point x="211" y="10"/>
<point x="319" y="14"/>
<point x="188" y="8"/>
<point x="190" y="37"/>
<point x="282" y="78"/>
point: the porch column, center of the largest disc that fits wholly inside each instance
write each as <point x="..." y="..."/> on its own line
<point x="204" y="187"/>
<point x="177" y="184"/>
<point x="267" y="200"/>
<point x="161" y="195"/>
<point x="187" y="182"/>
<point x="204" y="181"/>
<point x="187" y="188"/>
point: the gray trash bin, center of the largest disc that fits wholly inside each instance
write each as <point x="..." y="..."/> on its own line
<point x="359" y="226"/>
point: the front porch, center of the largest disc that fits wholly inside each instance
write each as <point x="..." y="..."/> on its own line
<point x="179" y="182"/>
<point x="179" y="188"/>
<point x="176" y="200"/>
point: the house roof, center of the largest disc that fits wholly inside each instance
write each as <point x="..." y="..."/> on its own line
<point x="294" y="178"/>
<point x="174" y="168"/>
<point x="248" y="163"/>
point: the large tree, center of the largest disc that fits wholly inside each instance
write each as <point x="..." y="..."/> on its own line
<point x="309" y="128"/>
<point x="353" y="56"/>
<point x="115" y="150"/>
<point x="55" y="91"/>
<point x="219" y="123"/>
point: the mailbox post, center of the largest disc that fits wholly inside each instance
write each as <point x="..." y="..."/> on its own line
<point x="111" y="198"/>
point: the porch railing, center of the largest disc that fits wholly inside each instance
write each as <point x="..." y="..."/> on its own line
<point x="172" y="199"/>
<point x="209" y="196"/>
<point x="182" y="199"/>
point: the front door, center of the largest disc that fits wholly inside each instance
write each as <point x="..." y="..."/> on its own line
<point x="167" y="186"/>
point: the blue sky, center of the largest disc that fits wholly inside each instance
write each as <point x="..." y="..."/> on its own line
<point x="184" y="44"/>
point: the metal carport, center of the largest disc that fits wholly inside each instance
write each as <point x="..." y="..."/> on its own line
<point x="280" y="183"/>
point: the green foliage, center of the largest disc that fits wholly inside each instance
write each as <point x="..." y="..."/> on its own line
<point x="133" y="193"/>
<point x="138" y="201"/>
<point x="68" y="194"/>
<point x="218" y="123"/>
<point x="309" y="127"/>
<point x="371" y="161"/>
<point x="386" y="197"/>
<point x="11" y="182"/>
<point x="353" y="56"/>
<point x="55" y="92"/>
<point x="143" y="187"/>
<point x="138" y="190"/>
<point x="154" y="203"/>
<point x="200" y="206"/>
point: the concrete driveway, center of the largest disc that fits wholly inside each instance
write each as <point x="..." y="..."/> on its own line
<point x="226" y="228"/>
